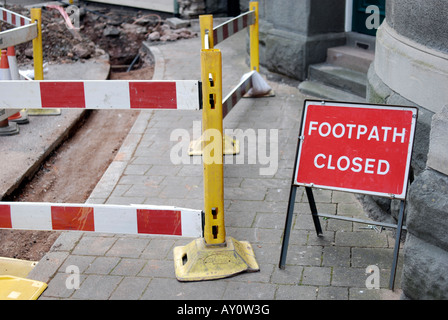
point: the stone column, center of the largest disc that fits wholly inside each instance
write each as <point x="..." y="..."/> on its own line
<point x="411" y="68"/>
<point x="411" y="63"/>
<point x="295" y="34"/>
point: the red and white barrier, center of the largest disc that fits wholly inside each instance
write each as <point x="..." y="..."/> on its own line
<point x="14" y="18"/>
<point x="98" y="94"/>
<point x="232" y="26"/>
<point x="154" y="220"/>
<point x="237" y="93"/>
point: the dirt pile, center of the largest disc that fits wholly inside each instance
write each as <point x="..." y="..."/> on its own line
<point x="108" y="29"/>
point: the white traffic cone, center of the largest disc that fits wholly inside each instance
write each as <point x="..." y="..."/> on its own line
<point x="6" y="128"/>
<point x="20" y="117"/>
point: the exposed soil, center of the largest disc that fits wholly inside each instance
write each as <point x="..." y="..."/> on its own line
<point x="68" y="176"/>
<point x="72" y="171"/>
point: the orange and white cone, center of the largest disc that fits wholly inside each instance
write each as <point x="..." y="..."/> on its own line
<point x="20" y="117"/>
<point x="6" y="128"/>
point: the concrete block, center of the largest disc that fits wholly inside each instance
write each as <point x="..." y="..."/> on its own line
<point x="176" y="23"/>
<point x="427" y="215"/>
<point x="424" y="270"/>
<point x="339" y="77"/>
<point x="350" y="57"/>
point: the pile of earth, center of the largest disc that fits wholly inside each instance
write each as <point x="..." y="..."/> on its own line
<point x="104" y="29"/>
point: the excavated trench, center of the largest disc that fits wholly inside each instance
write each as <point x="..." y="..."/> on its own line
<point x="73" y="169"/>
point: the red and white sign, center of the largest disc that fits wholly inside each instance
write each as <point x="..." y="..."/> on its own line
<point x="358" y="148"/>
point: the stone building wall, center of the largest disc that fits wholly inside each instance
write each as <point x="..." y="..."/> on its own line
<point x="411" y="68"/>
<point x="295" y="34"/>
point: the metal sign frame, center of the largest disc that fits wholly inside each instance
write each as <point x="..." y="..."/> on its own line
<point x="309" y="192"/>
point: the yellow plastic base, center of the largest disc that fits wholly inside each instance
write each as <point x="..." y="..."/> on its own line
<point x="16" y="267"/>
<point x="230" y="146"/>
<point x="44" y="112"/>
<point x="15" y="288"/>
<point x="197" y="262"/>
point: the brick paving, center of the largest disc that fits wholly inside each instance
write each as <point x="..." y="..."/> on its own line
<point x="114" y="266"/>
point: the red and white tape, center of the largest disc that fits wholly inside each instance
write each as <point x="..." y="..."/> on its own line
<point x="154" y="220"/>
<point x="98" y="94"/>
<point x="237" y="93"/>
<point x="14" y="18"/>
<point x="229" y="28"/>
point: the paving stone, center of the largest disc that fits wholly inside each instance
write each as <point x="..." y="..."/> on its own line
<point x="249" y="291"/>
<point x="128" y="247"/>
<point x="336" y="256"/>
<point x="131" y="288"/>
<point x="158" y="249"/>
<point x="318" y="276"/>
<point x="81" y="262"/>
<point x="66" y="241"/>
<point x="361" y="239"/>
<point x="158" y="268"/>
<point x="58" y="288"/>
<point x="296" y="292"/>
<point x="128" y="267"/>
<point x="304" y="255"/>
<point x="349" y="277"/>
<point x="332" y="293"/>
<point x="290" y="275"/>
<point x="171" y="289"/>
<point x="97" y="287"/>
<point x="47" y="266"/>
<point x="102" y="265"/>
<point x="95" y="246"/>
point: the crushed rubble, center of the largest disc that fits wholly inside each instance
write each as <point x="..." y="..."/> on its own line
<point x="103" y="30"/>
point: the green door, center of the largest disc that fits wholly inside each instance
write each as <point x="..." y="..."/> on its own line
<point x="367" y="22"/>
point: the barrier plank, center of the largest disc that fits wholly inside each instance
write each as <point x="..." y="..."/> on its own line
<point x="13" y="18"/>
<point x="232" y="26"/>
<point x="132" y="219"/>
<point x="99" y="94"/>
<point x="237" y="93"/>
<point x="13" y="37"/>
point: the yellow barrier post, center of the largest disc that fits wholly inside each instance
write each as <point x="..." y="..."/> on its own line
<point x="206" y="23"/>
<point x="230" y="145"/>
<point x="254" y="39"/>
<point x="38" y="59"/>
<point x="214" y="256"/>
<point x="212" y="155"/>
<point x="36" y="16"/>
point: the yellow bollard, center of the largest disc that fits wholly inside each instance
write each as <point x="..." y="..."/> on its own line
<point x="206" y="23"/>
<point x="38" y="59"/>
<point x="230" y="145"/>
<point x="212" y="155"/>
<point x="36" y="16"/>
<point x="254" y="39"/>
<point x="214" y="256"/>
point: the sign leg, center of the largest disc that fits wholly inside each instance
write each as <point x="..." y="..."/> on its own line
<point x="288" y="224"/>
<point x="397" y="245"/>
<point x="313" y="208"/>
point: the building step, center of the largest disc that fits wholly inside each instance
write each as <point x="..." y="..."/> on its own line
<point x="339" y="77"/>
<point x="322" y="91"/>
<point x="351" y="57"/>
<point x="361" y="41"/>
